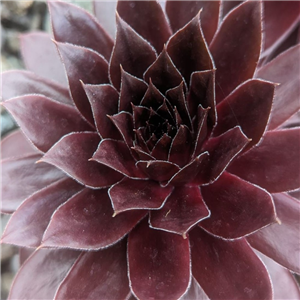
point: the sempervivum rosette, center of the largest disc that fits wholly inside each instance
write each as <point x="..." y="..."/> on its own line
<point x="162" y="159"/>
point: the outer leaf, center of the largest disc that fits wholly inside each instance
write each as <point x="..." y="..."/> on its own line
<point x="24" y="172"/>
<point x="104" y="101"/>
<point x="286" y="100"/>
<point x="248" y="106"/>
<point x="227" y="6"/>
<point x="16" y="144"/>
<point x="147" y="19"/>
<point x="91" y="224"/>
<point x="237" y="207"/>
<point x="41" y="57"/>
<point x="233" y="264"/>
<point x="137" y="194"/>
<point x="27" y="225"/>
<point x="72" y="155"/>
<point x="159" y="263"/>
<point x="24" y="253"/>
<point x="188" y="50"/>
<point x="117" y="156"/>
<point x="82" y="64"/>
<point x="274" y="163"/>
<point x="281" y="241"/>
<point x="71" y="24"/>
<point x="131" y="51"/>
<point x="18" y="83"/>
<point x="105" y="13"/>
<point x="43" y="120"/>
<point x="183" y="210"/>
<point x="48" y="268"/>
<point x="97" y="275"/>
<point x="284" y="283"/>
<point x="195" y="292"/>
<point x="236" y="47"/>
<point x="181" y="12"/>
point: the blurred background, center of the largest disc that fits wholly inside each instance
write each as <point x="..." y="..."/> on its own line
<point x="18" y="17"/>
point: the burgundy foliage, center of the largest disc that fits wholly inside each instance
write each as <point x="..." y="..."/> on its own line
<point x="154" y="160"/>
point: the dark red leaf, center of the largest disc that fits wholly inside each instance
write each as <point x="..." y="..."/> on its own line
<point x="195" y="292"/>
<point x="71" y="24"/>
<point x="72" y="155"/>
<point x="163" y="73"/>
<point x="86" y="222"/>
<point x="27" y="225"/>
<point x="159" y="263"/>
<point x="86" y="65"/>
<point x="21" y="177"/>
<point x="161" y="149"/>
<point x="48" y="267"/>
<point x="236" y="47"/>
<point x="281" y="241"/>
<point x="131" y="51"/>
<point x="97" y="275"/>
<point x="233" y="264"/>
<point x="117" y="156"/>
<point x="104" y="101"/>
<point x="153" y="97"/>
<point x="43" y="120"/>
<point x="41" y="57"/>
<point x="248" y="106"/>
<point x="18" y="83"/>
<point x="237" y="207"/>
<point x="181" y="12"/>
<point x="147" y="19"/>
<point x="202" y="132"/>
<point x="286" y="100"/>
<point x="182" y="210"/>
<point x="274" y="163"/>
<point x="132" y="194"/>
<point x="188" y="50"/>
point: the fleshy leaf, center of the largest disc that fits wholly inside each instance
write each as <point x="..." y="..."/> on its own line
<point x="48" y="267"/>
<point x="105" y="13"/>
<point x="153" y="97"/>
<point x="16" y="144"/>
<point x="286" y="100"/>
<point x="24" y="254"/>
<point x="181" y="12"/>
<point x="236" y="47"/>
<point x="158" y="170"/>
<point x="43" y="120"/>
<point x="281" y="241"/>
<point x="222" y="150"/>
<point x="71" y="24"/>
<point x="188" y="50"/>
<point x="91" y="224"/>
<point x="132" y="194"/>
<point x="72" y="155"/>
<point x="116" y="155"/>
<point x="274" y="163"/>
<point x="131" y="51"/>
<point x="195" y="292"/>
<point x="41" y="57"/>
<point x="242" y="275"/>
<point x="161" y="149"/>
<point x="280" y="17"/>
<point x="202" y="92"/>
<point x="201" y="128"/>
<point x="182" y="210"/>
<point x="159" y="263"/>
<point x="97" y="275"/>
<point x="163" y="73"/>
<point x="18" y="83"/>
<point x="248" y="106"/>
<point x="227" y="6"/>
<point x="86" y="65"/>
<point x="27" y="225"/>
<point x="132" y="91"/>
<point x="237" y="207"/>
<point x="284" y="283"/>
<point x="104" y="101"/>
<point x="147" y="19"/>
<point x="22" y="177"/>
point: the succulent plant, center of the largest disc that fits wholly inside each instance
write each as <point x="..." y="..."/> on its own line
<point x="161" y="164"/>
